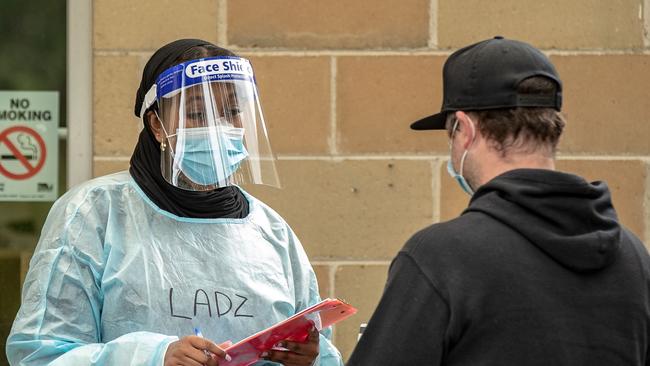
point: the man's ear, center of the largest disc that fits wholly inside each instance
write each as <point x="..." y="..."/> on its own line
<point x="467" y="130"/>
<point x="155" y="124"/>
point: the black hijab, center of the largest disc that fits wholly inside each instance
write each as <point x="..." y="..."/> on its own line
<point x="227" y="202"/>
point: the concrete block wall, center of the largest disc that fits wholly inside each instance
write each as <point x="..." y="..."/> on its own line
<point x="341" y="80"/>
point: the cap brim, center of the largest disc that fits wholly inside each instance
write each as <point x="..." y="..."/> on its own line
<point x="434" y="122"/>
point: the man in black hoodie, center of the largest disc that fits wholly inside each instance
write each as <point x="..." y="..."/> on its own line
<point x="537" y="270"/>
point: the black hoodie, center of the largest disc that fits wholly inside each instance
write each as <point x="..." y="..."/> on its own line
<point x="536" y="271"/>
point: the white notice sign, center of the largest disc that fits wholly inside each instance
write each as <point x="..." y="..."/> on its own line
<point x="29" y="145"/>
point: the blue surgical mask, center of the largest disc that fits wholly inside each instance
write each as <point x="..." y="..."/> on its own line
<point x="459" y="177"/>
<point x="450" y="167"/>
<point x="211" y="156"/>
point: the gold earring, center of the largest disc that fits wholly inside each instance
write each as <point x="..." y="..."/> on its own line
<point x="162" y="145"/>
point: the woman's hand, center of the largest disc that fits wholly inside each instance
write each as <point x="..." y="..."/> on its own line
<point x="191" y="351"/>
<point x="298" y="354"/>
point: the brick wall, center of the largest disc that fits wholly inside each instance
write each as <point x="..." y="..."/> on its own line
<point x="341" y="80"/>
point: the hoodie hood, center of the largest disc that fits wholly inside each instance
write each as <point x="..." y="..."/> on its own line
<point x="571" y="220"/>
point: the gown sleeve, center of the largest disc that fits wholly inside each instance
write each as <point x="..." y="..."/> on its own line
<point x="59" y="321"/>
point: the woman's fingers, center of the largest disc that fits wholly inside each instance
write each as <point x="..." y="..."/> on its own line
<point x="288" y="358"/>
<point x="298" y="354"/>
<point x="204" y="344"/>
<point x="310" y="347"/>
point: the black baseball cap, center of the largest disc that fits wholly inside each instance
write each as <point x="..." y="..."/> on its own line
<point x="485" y="75"/>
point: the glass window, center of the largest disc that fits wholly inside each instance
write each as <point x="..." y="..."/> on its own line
<point x="33" y="58"/>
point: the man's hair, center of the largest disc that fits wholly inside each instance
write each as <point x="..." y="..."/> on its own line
<point x="520" y="129"/>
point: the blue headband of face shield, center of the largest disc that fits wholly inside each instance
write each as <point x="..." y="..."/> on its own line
<point x="186" y="74"/>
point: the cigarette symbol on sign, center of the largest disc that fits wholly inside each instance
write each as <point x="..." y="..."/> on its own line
<point x="26" y="145"/>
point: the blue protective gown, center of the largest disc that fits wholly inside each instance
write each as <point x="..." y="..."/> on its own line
<point x="114" y="279"/>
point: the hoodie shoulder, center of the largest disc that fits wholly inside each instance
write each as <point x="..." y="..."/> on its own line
<point x="447" y="237"/>
<point x="640" y="251"/>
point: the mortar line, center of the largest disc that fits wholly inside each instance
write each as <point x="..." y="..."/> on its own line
<point x="332" y="141"/>
<point x="393" y="52"/>
<point x="332" y="291"/>
<point x="111" y="158"/>
<point x="646" y="23"/>
<point x="222" y="23"/>
<point x="351" y="262"/>
<point x="433" y="24"/>
<point x="332" y="279"/>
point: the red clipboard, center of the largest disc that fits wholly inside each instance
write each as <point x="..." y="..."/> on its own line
<point x="295" y="328"/>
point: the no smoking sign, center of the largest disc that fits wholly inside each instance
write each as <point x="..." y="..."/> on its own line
<point x="29" y="141"/>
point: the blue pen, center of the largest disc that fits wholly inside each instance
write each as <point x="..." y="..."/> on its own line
<point x="197" y="332"/>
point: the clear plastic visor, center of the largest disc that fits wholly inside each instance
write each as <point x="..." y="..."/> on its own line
<point x="213" y="126"/>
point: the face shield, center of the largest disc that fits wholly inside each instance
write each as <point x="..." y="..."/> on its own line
<point x="214" y="131"/>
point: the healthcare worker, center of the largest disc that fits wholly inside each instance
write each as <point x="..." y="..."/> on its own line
<point x="129" y="264"/>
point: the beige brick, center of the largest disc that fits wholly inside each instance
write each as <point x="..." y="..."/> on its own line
<point x="149" y="24"/>
<point x="328" y="24"/>
<point x="104" y="167"/>
<point x="352" y="208"/>
<point x="606" y="103"/>
<point x="560" y="24"/>
<point x="379" y="97"/>
<point x="361" y="286"/>
<point x="323" y="277"/>
<point x="295" y="96"/>
<point x="626" y="180"/>
<point x="116" y="128"/>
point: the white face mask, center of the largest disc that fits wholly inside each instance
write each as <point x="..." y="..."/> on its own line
<point x="450" y="167"/>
